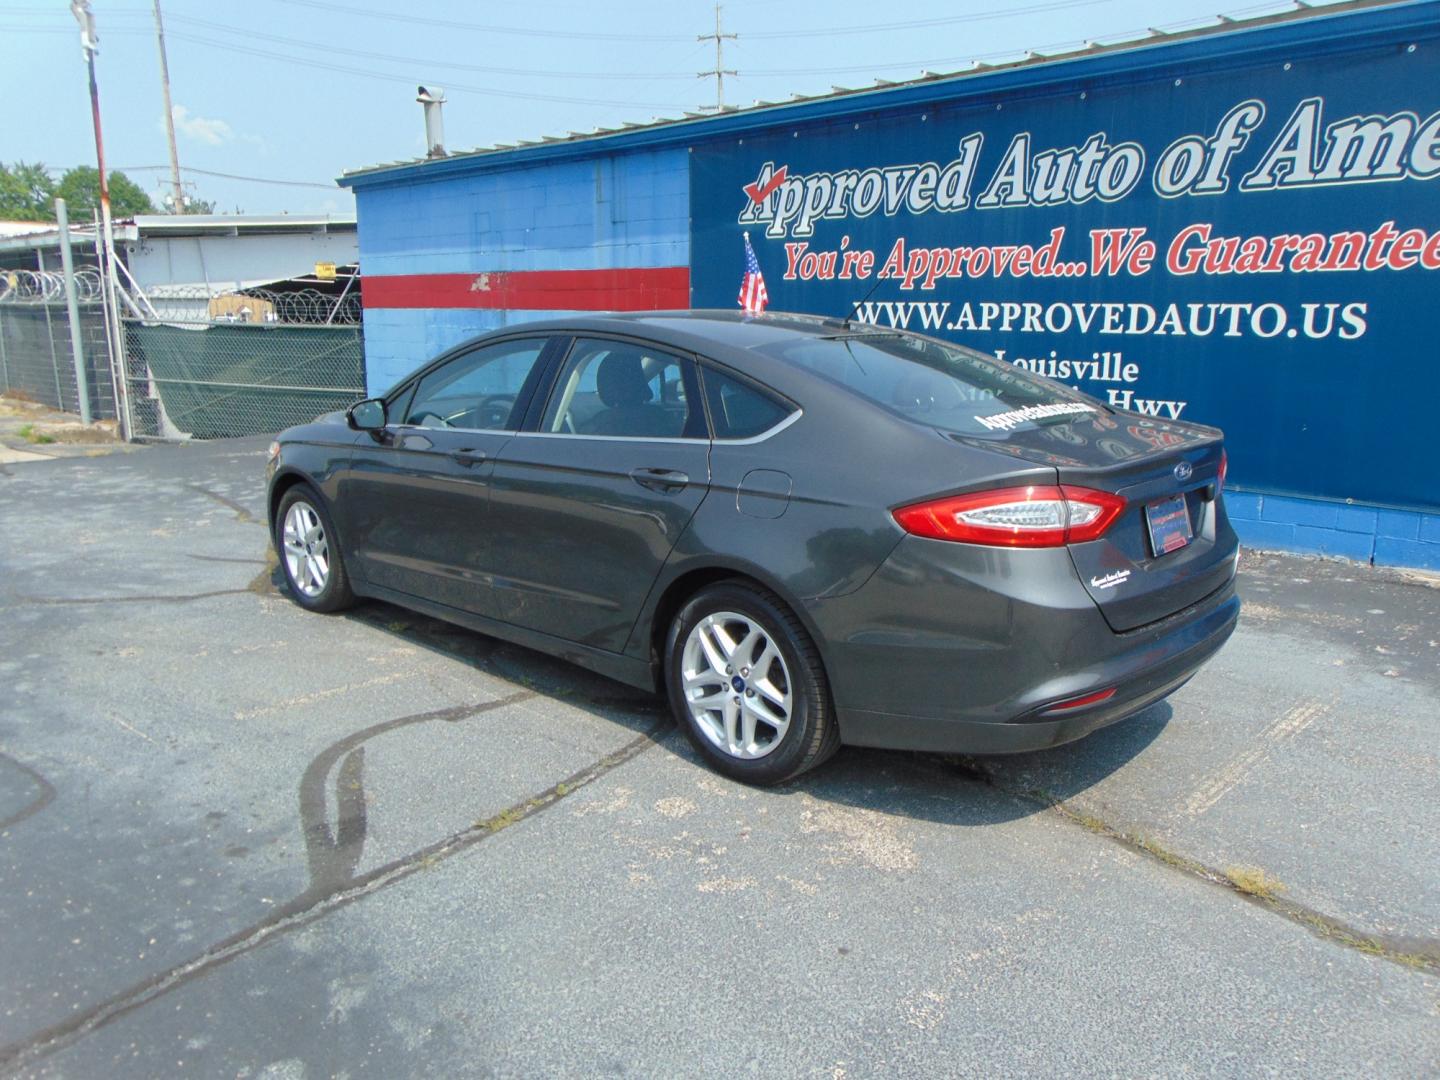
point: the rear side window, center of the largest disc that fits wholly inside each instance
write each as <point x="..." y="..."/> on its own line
<point x="621" y="389"/>
<point x="942" y="386"/>
<point x="738" y="410"/>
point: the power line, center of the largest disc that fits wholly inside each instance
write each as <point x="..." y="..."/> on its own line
<point x="231" y="46"/>
<point x="231" y="176"/>
<point x="302" y="43"/>
<point x="1137" y="34"/>
<point x="68" y="30"/>
<point x="918" y="24"/>
<point x="409" y="19"/>
<point x="1050" y="5"/>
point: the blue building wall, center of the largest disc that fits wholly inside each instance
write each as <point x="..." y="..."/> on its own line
<point x="1338" y="530"/>
<point x="616" y="211"/>
<point x="625" y="202"/>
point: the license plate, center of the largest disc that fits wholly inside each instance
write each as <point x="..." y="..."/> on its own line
<point x="1169" y="521"/>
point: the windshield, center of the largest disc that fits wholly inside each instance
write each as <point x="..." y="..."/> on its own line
<point x="943" y="386"/>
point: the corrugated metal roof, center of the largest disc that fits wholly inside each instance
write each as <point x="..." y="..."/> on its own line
<point x="45" y="235"/>
<point x="201" y="224"/>
<point x="21" y="228"/>
<point x="873" y="96"/>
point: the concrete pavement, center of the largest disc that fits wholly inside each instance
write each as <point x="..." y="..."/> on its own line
<point x="239" y="839"/>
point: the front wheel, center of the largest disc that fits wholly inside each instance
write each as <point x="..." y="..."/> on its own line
<point x="310" y="552"/>
<point x="746" y="683"/>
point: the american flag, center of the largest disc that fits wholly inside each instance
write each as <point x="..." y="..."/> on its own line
<point x="753" y="296"/>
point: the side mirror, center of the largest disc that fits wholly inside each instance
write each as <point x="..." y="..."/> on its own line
<point x="367" y="415"/>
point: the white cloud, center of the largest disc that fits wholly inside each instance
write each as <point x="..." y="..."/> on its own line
<point x="200" y="128"/>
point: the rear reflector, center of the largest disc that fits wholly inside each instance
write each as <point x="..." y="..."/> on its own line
<point x="1224" y="468"/>
<point x="1039" y="516"/>
<point x="1079" y="702"/>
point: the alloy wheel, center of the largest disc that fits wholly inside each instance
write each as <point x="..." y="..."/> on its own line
<point x="736" y="684"/>
<point x="307" y="549"/>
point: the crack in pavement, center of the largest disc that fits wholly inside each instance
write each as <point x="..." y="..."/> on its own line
<point x="333" y="858"/>
<point x="242" y="515"/>
<point x="43" y="799"/>
<point x="1414" y="952"/>
<point x="179" y="598"/>
<point x="223" y="559"/>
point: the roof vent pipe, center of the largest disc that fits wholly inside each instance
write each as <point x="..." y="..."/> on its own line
<point x="434" y="101"/>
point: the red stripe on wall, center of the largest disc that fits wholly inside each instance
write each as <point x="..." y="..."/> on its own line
<point x="649" y="289"/>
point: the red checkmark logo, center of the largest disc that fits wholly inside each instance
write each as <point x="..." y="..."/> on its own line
<point x="759" y="194"/>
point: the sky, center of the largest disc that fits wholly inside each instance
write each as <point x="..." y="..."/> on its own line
<point x="289" y="94"/>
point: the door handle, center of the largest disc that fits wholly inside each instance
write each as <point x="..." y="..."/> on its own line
<point x="468" y="457"/>
<point x="665" y="481"/>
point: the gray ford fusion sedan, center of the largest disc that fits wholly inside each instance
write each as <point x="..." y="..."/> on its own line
<point x="806" y="532"/>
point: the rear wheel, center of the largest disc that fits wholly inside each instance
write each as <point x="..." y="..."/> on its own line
<point x="310" y="552"/>
<point x="746" y="683"/>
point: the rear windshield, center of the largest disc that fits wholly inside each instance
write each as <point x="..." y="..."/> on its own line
<point x="943" y="386"/>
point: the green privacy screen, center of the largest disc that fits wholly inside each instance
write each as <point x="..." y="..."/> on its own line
<point x="221" y="381"/>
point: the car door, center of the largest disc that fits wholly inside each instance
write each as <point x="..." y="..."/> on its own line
<point x="417" y="493"/>
<point x="586" y="508"/>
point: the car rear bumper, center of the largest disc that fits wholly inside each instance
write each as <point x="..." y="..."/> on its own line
<point x="963" y="651"/>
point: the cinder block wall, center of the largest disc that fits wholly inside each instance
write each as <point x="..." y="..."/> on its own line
<point x="1341" y="530"/>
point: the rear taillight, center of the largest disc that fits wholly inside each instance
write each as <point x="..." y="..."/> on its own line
<point x="1041" y="516"/>
<point x="1220" y="480"/>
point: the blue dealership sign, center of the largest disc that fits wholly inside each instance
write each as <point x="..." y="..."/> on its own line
<point x="1252" y="241"/>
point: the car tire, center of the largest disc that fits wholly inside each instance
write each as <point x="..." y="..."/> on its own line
<point x="309" y="551"/>
<point x="730" y="708"/>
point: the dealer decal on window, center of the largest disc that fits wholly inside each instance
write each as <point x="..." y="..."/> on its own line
<point x="1006" y="420"/>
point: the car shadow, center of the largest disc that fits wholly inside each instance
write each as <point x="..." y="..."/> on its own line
<point x="516" y="664"/>
<point x="943" y="788"/>
<point x="952" y="789"/>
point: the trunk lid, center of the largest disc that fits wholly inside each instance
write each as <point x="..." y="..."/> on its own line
<point x="1127" y="572"/>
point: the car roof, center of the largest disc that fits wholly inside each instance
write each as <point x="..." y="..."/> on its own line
<point x="730" y="337"/>
<point x="720" y="327"/>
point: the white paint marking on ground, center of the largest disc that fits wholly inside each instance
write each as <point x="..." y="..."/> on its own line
<point x="320" y="695"/>
<point x="10" y="456"/>
<point x="134" y="730"/>
<point x="1290" y="724"/>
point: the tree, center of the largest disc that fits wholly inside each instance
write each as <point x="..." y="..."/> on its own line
<point x="80" y="188"/>
<point x="27" y="193"/>
<point x="197" y="205"/>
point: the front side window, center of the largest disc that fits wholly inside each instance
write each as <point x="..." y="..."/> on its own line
<point x="944" y="386"/>
<point x="622" y="389"/>
<point x="477" y="390"/>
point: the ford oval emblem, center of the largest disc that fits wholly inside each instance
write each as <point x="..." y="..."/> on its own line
<point x="1184" y="471"/>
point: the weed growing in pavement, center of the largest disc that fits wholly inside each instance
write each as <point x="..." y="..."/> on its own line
<point x="502" y="820"/>
<point x="1252" y="881"/>
<point x="30" y="435"/>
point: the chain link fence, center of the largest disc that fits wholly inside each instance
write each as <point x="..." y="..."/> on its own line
<point x="36" y="361"/>
<point x="243" y="363"/>
<point x="197" y="364"/>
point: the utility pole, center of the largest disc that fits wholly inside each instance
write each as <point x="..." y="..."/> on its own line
<point x="178" y="206"/>
<point x="72" y="309"/>
<point x="719" y="72"/>
<point x="90" y="45"/>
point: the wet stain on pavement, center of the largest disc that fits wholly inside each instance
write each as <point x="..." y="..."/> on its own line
<point x="241" y="514"/>
<point x="334" y="857"/>
<point x="43" y="797"/>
